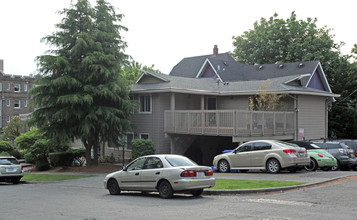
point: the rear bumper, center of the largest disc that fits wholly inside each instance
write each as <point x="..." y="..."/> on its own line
<point x="192" y="183"/>
<point x="326" y="162"/>
<point x="346" y="161"/>
<point x="296" y="162"/>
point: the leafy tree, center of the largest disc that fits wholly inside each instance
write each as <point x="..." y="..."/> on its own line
<point x="265" y="101"/>
<point x="13" y="129"/>
<point x="131" y="70"/>
<point x="5" y="147"/>
<point x="82" y="94"/>
<point x="292" y="40"/>
<point x="26" y="140"/>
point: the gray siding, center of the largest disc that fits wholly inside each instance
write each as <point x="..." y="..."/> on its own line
<point x="312" y="116"/>
<point x="232" y="103"/>
<point x="153" y="123"/>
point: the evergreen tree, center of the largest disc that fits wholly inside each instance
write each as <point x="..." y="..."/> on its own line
<point x="82" y="94"/>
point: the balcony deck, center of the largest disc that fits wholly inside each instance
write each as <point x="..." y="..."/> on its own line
<point x="235" y="123"/>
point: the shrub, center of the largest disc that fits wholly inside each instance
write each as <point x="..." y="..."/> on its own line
<point x="142" y="147"/>
<point x="42" y="164"/>
<point x="4" y="154"/>
<point x="16" y="154"/>
<point x="29" y="158"/>
<point x="5" y="147"/>
<point x="107" y="159"/>
<point x="63" y="159"/>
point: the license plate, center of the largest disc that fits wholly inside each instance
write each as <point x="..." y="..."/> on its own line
<point x="200" y="174"/>
<point x="301" y="154"/>
<point x="10" y="170"/>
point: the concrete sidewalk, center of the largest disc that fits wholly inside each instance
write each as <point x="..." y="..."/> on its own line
<point x="309" y="178"/>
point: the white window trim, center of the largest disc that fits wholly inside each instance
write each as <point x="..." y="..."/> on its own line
<point x="8" y="102"/>
<point x="148" y="112"/>
<point x="25" y="103"/>
<point x="15" y="104"/>
<point x="19" y="86"/>
<point x="144" y="134"/>
<point x="25" y="87"/>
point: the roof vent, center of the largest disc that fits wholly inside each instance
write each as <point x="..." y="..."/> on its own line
<point x="225" y="63"/>
<point x="301" y="64"/>
<point x="281" y="66"/>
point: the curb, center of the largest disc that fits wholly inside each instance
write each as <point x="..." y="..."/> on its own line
<point x="264" y="190"/>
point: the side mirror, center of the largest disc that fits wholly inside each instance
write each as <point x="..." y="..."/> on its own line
<point x="124" y="168"/>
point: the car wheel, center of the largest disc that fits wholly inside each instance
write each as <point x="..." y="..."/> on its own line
<point x="165" y="190"/>
<point x="223" y="166"/>
<point x="197" y="192"/>
<point x="113" y="187"/>
<point x="273" y="166"/>
<point x="337" y="167"/>
<point x="313" y="165"/>
<point x="243" y="171"/>
<point x="326" y="168"/>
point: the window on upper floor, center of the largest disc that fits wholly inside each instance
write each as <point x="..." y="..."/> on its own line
<point x="8" y="118"/>
<point x="25" y="103"/>
<point x="145" y="103"/>
<point x="17" y="103"/>
<point x="25" y="87"/>
<point x="8" y="86"/>
<point x="8" y="102"/>
<point x="17" y="87"/>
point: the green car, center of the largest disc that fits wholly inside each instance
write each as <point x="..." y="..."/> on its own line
<point x="319" y="158"/>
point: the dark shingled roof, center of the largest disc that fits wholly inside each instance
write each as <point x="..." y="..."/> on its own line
<point x="229" y="70"/>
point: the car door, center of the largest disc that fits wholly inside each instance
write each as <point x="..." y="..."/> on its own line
<point x="257" y="155"/>
<point x="151" y="173"/>
<point x="130" y="178"/>
<point x="240" y="156"/>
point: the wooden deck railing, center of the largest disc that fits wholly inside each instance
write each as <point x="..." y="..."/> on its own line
<point x="229" y="122"/>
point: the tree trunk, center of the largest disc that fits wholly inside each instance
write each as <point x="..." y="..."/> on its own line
<point x="88" y="154"/>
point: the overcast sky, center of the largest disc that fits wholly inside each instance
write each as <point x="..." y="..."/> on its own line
<point x="162" y="32"/>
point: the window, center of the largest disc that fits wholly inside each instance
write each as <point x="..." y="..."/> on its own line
<point x="144" y="136"/>
<point x="137" y="164"/>
<point x="145" y="104"/>
<point x="8" y="86"/>
<point x="25" y="103"/>
<point x="244" y="148"/>
<point x="17" y="104"/>
<point x="153" y="163"/>
<point x="17" y="87"/>
<point x="0" y="86"/>
<point x="129" y="138"/>
<point x="8" y="118"/>
<point x="8" y="102"/>
<point x="261" y="146"/>
<point x="25" y="87"/>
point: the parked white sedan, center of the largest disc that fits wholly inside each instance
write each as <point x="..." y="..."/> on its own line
<point x="166" y="174"/>
<point x="267" y="155"/>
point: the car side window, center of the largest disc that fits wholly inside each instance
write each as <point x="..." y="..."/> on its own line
<point x="262" y="146"/>
<point x="244" y="148"/>
<point x="153" y="163"/>
<point x="136" y="165"/>
<point x="332" y="146"/>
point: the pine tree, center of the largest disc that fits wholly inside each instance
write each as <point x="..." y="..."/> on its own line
<point x="82" y="94"/>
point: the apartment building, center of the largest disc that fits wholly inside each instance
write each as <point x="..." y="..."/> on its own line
<point x="14" y="95"/>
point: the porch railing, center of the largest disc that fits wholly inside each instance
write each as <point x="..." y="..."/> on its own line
<point x="229" y="122"/>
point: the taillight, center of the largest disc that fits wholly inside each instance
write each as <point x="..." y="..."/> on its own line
<point x="356" y="153"/>
<point x="188" y="173"/>
<point x="289" y="151"/>
<point x="320" y="155"/>
<point x="209" y="172"/>
<point x="22" y="168"/>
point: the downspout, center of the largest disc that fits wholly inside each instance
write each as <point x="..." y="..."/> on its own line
<point x="296" y="118"/>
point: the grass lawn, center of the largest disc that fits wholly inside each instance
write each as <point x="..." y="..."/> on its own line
<point x="51" y="177"/>
<point x="251" y="184"/>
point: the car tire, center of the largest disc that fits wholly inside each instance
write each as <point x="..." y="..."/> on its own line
<point x="197" y="192"/>
<point x="273" y="166"/>
<point x="223" y="166"/>
<point x="326" y="168"/>
<point x="113" y="187"/>
<point x="165" y="190"/>
<point x="337" y="167"/>
<point x="313" y="165"/>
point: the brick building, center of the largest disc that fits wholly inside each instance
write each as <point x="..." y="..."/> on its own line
<point x="14" y="95"/>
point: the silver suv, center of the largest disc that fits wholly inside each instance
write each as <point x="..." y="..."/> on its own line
<point x="10" y="169"/>
<point x="346" y="158"/>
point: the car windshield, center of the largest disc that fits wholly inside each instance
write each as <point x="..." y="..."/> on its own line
<point x="8" y="161"/>
<point x="180" y="161"/>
